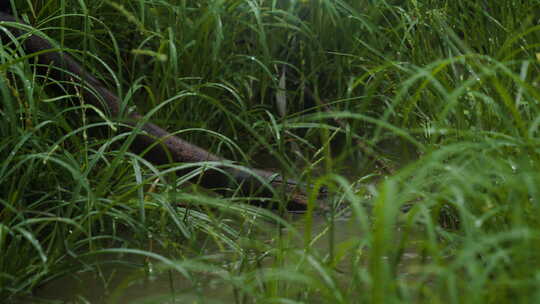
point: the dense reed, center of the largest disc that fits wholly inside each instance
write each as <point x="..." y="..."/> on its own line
<point x="420" y="117"/>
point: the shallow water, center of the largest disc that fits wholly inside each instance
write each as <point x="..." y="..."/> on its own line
<point x="140" y="282"/>
<point x="122" y="284"/>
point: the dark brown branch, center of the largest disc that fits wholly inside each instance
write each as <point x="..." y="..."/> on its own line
<point x="161" y="146"/>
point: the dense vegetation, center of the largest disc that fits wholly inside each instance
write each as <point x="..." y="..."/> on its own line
<point x="420" y="117"/>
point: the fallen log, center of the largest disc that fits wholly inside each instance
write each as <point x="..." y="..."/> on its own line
<point x="155" y="143"/>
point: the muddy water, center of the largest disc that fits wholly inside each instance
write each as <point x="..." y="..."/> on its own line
<point x="117" y="284"/>
<point x="141" y="282"/>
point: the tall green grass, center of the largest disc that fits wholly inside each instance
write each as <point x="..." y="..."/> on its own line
<point x="446" y="92"/>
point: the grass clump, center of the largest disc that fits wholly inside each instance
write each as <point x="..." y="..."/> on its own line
<point x="443" y="94"/>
